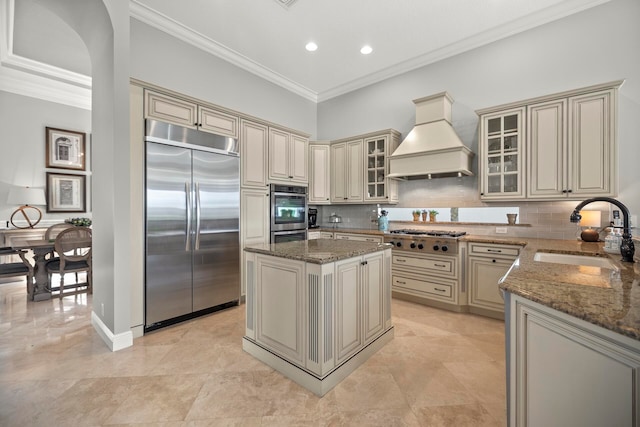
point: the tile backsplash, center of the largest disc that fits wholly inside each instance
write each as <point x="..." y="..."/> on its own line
<point x="546" y="220"/>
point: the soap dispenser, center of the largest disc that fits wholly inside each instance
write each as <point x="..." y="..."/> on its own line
<point x="383" y="221"/>
<point x="611" y="242"/>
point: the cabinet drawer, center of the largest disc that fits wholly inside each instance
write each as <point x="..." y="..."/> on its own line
<point x="415" y="286"/>
<point x="359" y="238"/>
<point x="442" y="266"/>
<point x="494" y="250"/>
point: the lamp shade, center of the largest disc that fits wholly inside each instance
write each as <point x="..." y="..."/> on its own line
<point x="26" y="196"/>
<point x="590" y="219"/>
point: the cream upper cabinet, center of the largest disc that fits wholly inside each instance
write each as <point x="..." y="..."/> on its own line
<point x="572" y="150"/>
<point x="288" y="157"/>
<point x="172" y="110"/>
<point x="347" y="171"/>
<point x="189" y="114"/>
<point x="547" y="149"/>
<point x="254" y="139"/>
<point x="501" y="151"/>
<point x="217" y="122"/>
<point x="592" y="147"/>
<point x="319" y="174"/>
<point x="567" y="149"/>
<point x="377" y="187"/>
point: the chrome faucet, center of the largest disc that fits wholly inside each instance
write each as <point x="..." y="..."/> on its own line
<point x="627" y="248"/>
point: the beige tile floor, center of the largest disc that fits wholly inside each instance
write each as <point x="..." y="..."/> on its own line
<point x="441" y="369"/>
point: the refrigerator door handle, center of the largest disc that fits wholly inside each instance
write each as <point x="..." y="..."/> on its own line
<point x="197" y="215"/>
<point x="187" y="192"/>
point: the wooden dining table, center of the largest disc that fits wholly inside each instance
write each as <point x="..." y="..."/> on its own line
<point x="41" y="288"/>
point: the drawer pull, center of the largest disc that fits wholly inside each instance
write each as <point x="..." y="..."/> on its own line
<point x="494" y="250"/>
<point x="439" y="290"/>
<point x="439" y="265"/>
<point x="400" y="260"/>
<point x="400" y="282"/>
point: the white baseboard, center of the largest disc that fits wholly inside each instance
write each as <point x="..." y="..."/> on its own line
<point x="114" y="342"/>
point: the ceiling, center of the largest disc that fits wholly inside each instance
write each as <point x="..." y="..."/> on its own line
<point x="268" y="38"/>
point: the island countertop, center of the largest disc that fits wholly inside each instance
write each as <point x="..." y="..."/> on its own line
<point x="604" y="297"/>
<point x="318" y="251"/>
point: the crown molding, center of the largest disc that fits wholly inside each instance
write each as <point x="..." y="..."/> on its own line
<point x="165" y="24"/>
<point x="45" y="88"/>
<point x="35" y="79"/>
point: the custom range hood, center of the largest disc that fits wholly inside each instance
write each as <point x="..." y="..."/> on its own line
<point x="432" y="149"/>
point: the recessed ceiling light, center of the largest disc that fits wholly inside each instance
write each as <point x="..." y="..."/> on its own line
<point x="366" y="49"/>
<point x="311" y="47"/>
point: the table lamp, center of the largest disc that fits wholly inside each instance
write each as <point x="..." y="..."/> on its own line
<point x="590" y="219"/>
<point x="26" y="197"/>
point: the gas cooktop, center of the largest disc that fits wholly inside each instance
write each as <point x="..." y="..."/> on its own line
<point x="438" y="233"/>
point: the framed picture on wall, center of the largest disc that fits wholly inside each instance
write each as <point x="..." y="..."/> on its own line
<point x="66" y="193"/>
<point x="65" y="149"/>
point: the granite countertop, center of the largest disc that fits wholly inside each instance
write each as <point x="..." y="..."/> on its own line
<point x="318" y="251"/>
<point x="604" y="297"/>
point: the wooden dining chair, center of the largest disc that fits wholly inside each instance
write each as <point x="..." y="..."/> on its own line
<point x="73" y="246"/>
<point x="17" y="269"/>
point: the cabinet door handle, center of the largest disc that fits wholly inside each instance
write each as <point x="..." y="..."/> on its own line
<point x="364" y="263"/>
<point x="569" y="191"/>
<point x="290" y="176"/>
<point x="493" y="260"/>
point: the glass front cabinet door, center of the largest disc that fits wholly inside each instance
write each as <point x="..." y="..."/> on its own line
<point x="379" y="188"/>
<point x="501" y="150"/>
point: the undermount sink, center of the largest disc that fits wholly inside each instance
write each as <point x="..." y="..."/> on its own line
<point x="592" y="261"/>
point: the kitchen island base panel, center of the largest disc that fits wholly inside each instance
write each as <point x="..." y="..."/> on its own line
<point x="318" y="386"/>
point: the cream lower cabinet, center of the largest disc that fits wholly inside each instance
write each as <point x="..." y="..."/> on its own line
<point x="347" y="172"/>
<point x="360" y="303"/>
<point x="319" y="174"/>
<point x="317" y="319"/>
<point x="486" y="265"/>
<point x="254" y="223"/>
<point x="280" y="306"/>
<point x="572" y="149"/>
<point x="564" y="371"/>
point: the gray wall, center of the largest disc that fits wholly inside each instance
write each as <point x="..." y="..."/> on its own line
<point x="168" y="62"/>
<point x="23" y="121"/>
<point x="595" y="46"/>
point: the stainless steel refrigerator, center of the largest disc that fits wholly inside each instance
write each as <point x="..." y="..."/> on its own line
<point x="192" y="223"/>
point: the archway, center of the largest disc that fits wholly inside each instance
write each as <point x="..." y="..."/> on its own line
<point x="103" y="25"/>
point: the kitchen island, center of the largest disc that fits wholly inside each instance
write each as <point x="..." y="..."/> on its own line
<point x="573" y="337"/>
<point x="317" y="309"/>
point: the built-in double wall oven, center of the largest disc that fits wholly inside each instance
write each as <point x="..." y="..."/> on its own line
<point x="288" y="213"/>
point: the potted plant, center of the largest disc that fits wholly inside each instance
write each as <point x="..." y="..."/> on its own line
<point x="416" y="215"/>
<point x="424" y="215"/>
<point x="432" y="215"/>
